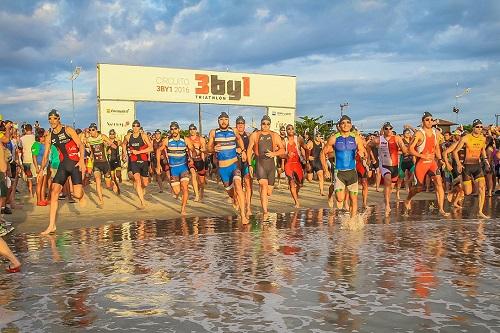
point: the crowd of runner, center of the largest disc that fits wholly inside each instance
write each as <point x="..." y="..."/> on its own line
<point x="59" y="162"/>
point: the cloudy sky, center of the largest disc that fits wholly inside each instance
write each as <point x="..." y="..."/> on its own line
<point x="390" y="60"/>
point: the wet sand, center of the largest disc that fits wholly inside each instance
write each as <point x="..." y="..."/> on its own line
<point x="124" y="208"/>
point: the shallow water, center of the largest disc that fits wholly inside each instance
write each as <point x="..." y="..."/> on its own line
<point x="293" y="272"/>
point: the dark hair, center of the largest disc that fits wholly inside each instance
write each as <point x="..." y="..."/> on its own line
<point x="40" y="132"/>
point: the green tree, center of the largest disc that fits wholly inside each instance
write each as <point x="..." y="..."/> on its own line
<point x="312" y="123"/>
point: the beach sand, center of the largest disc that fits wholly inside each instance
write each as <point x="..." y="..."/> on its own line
<point x="124" y="208"/>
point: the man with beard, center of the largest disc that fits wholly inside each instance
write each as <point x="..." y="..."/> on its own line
<point x="224" y="141"/>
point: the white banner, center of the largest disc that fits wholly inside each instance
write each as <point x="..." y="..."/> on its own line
<point x="281" y="117"/>
<point x="157" y="84"/>
<point x="117" y="115"/>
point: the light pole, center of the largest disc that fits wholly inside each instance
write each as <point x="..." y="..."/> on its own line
<point x="73" y="77"/>
<point x="342" y="106"/>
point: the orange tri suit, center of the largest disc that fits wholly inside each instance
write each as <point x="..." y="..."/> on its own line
<point x="426" y="167"/>
<point x="293" y="164"/>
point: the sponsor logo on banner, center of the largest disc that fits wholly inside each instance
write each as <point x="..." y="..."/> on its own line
<point x="175" y="85"/>
<point x="118" y="124"/>
<point x="117" y="111"/>
<point x="213" y="87"/>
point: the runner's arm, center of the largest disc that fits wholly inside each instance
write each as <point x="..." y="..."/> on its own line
<point x="72" y="133"/>
<point x="241" y="145"/>
<point x="279" y="145"/>
<point x="124" y="147"/>
<point x="416" y="139"/>
<point x="328" y="148"/>
<point x="457" y="149"/>
<point x="148" y="142"/>
<point x="251" y="143"/>
<point x="210" y="144"/>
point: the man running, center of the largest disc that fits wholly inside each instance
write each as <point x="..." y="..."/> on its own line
<point x="245" y="166"/>
<point x="345" y="144"/>
<point x="71" y="164"/>
<point x="425" y="147"/>
<point x="389" y="146"/>
<point x="471" y="168"/>
<point x="293" y="162"/>
<point x="177" y="154"/>
<point x="406" y="162"/>
<point x="115" y="163"/>
<point x="138" y="146"/>
<point x="457" y="189"/>
<point x="97" y="143"/>
<point x="266" y="145"/>
<point x="315" y="146"/>
<point x="197" y="167"/>
<point x="156" y="141"/>
<point x="224" y="141"/>
<point x="280" y="163"/>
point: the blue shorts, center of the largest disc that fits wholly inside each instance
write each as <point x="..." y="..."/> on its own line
<point x="179" y="173"/>
<point x="227" y="174"/>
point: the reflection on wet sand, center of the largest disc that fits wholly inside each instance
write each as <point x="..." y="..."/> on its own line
<point x="298" y="271"/>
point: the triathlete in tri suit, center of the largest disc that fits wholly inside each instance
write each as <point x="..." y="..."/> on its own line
<point x="114" y="158"/>
<point x="375" y="166"/>
<point x="315" y="146"/>
<point x="177" y="149"/>
<point x="280" y="163"/>
<point x="345" y="144"/>
<point x="471" y="168"/>
<point x="363" y="171"/>
<point x="425" y="147"/>
<point x="225" y="141"/>
<point x="294" y="160"/>
<point x="244" y="166"/>
<point x="266" y="145"/>
<point x="156" y="141"/>
<point x="197" y="167"/>
<point x="406" y="162"/>
<point x="389" y="146"/>
<point x="138" y="146"/>
<point x="457" y="189"/>
<point x="97" y="143"/>
<point x="70" y="148"/>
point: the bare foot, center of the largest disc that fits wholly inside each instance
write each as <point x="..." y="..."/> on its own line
<point x="297" y="205"/>
<point x="457" y="205"/>
<point x="330" y="202"/>
<point x="443" y="213"/>
<point x="449" y="196"/>
<point x="408" y="205"/>
<point x="48" y="231"/>
<point x="322" y="194"/>
<point x="82" y="202"/>
<point x="183" y="212"/>
<point x="481" y="215"/>
<point x="196" y="199"/>
<point x="387" y="211"/>
<point x="397" y="195"/>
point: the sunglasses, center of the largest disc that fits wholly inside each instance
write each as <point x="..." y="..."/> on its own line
<point x="388" y="128"/>
<point x="53" y="118"/>
<point x="136" y="125"/>
<point x="93" y="129"/>
<point x="192" y="129"/>
<point x="428" y="119"/>
<point x="478" y="126"/>
<point x="265" y="123"/>
<point x="174" y="128"/>
<point x="240" y="123"/>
